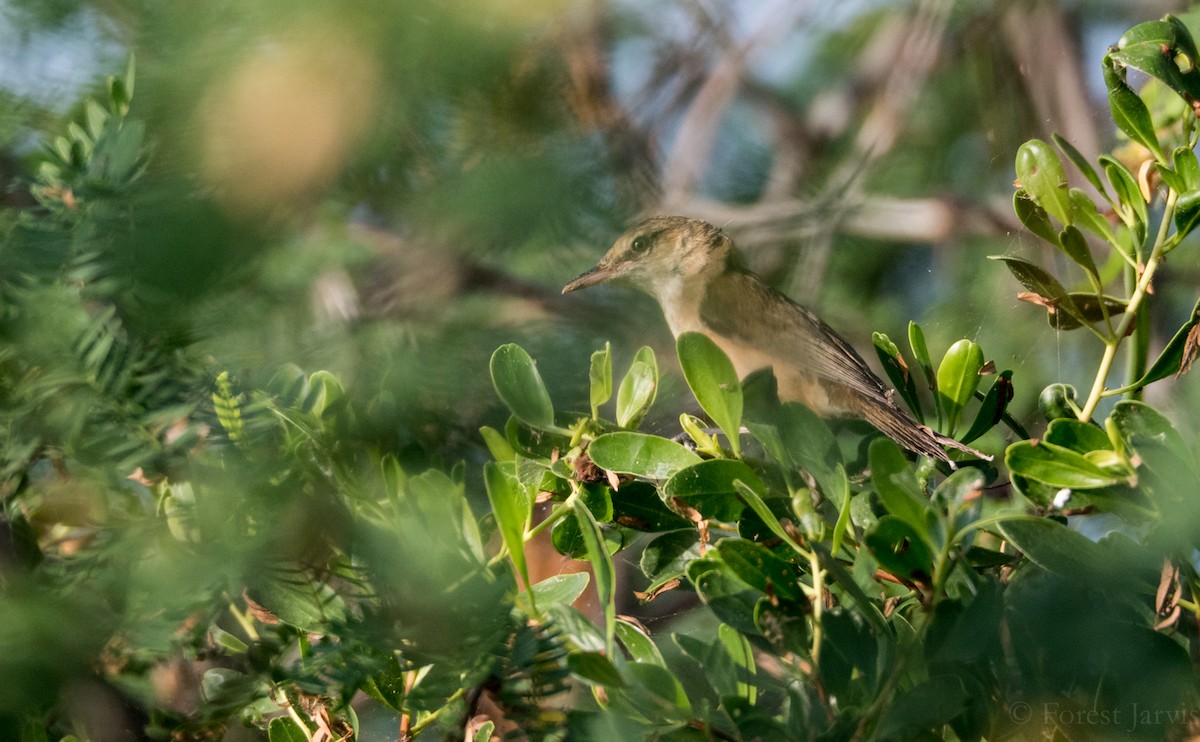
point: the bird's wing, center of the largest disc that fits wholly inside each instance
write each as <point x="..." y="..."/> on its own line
<point x="741" y="306"/>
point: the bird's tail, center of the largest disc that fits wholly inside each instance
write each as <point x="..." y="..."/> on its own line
<point x="915" y="437"/>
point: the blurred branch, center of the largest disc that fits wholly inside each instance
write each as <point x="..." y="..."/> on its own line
<point x="694" y="142"/>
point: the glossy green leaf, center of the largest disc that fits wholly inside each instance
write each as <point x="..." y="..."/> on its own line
<point x="638" y="389"/>
<point x="519" y="385"/>
<point x="512" y="509"/>
<point x="1170" y="178"/>
<point x="1076" y="435"/>
<point x="1128" y="110"/>
<point x="640" y="454"/>
<point x="896" y="484"/>
<point x="742" y="654"/>
<point x="1085" y="213"/>
<point x="1074" y="246"/>
<point x="1187" y="212"/>
<point x="958" y="378"/>
<point x="1162" y="49"/>
<point x="760" y="508"/>
<point x="1079" y="161"/>
<point x="1034" y="217"/>
<point x="961" y="487"/>
<point x="558" y="589"/>
<point x="594" y="668"/>
<point x="1131" y="206"/>
<point x="1042" y="177"/>
<point x="1138" y="422"/>
<point x="760" y="568"/>
<point x="991" y="409"/>
<point x="641" y="647"/>
<point x="1057" y="400"/>
<point x="600" y="377"/>
<point x="1057" y="466"/>
<point x="714" y="382"/>
<point x="1176" y="356"/>
<point x="709" y="487"/>
<point x="1187" y="167"/>
<point x="898" y="372"/>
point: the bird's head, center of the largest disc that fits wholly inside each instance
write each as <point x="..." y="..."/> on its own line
<point x="660" y="251"/>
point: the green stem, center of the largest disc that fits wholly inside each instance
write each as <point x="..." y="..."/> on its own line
<point x="1131" y="311"/>
<point x="818" y="610"/>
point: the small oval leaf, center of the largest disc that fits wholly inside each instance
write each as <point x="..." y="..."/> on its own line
<point x="519" y="385"/>
<point x="640" y="455"/>
<point x="714" y="382"/>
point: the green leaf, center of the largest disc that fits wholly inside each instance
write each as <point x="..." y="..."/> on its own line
<point x="637" y="505"/>
<point x="640" y="454"/>
<point x="1036" y="279"/>
<point x="1187" y="167"/>
<point x="1074" y="246"/>
<point x="638" y="389"/>
<point x="930" y="704"/>
<point x="663" y="695"/>
<point x="760" y="508"/>
<point x="484" y="732"/>
<point x="1057" y="466"/>
<point x="1076" y="435"/>
<point x="1162" y="49"/>
<point x="1128" y="110"/>
<point x="898" y="371"/>
<point x="1175" y="358"/>
<point x="894" y="480"/>
<point x="668" y="555"/>
<point x="1042" y="177"/>
<point x="958" y="378"/>
<point x="640" y="646"/>
<point x="991" y="409"/>
<point x="1187" y="212"/>
<point x="519" y="385"/>
<point x="562" y="589"/>
<point x="498" y="446"/>
<point x="1088" y="307"/>
<point x="714" y="382"/>
<point x="1034" y="217"/>
<point x="602" y="569"/>
<point x="1079" y="161"/>
<point x="594" y="668"/>
<point x="916" y="343"/>
<point x="512" y="509"/>
<point x="1137" y="422"/>
<point x="742" y="654"/>
<point x="601" y="377"/>
<point x="760" y="568"/>
<point x="283" y="729"/>
<point x="1130" y="205"/>
<point x="1053" y="546"/>
<point x="709" y="487"/>
<point x="900" y="549"/>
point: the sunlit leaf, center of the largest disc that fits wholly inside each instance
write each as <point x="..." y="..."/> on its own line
<point x="520" y="387"/>
<point x="714" y="382"/>
<point x="640" y="454"/>
<point x="958" y="378"/>
<point x="600" y="377"/>
<point x="1057" y="466"/>
<point x="1041" y="176"/>
<point x="638" y="389"/>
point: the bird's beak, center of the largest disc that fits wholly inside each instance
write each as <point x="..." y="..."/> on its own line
<point x="599" y="274"/>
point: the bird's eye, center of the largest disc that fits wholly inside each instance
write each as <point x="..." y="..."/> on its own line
<point x="640" y="244"/>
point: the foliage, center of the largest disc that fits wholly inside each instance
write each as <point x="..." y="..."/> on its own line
<point x="210" y="549"/>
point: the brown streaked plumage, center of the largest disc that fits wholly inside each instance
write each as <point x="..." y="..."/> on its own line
<point x="702" y="285"/>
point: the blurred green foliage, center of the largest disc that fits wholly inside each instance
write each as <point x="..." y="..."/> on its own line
<point x="206" y="537"/>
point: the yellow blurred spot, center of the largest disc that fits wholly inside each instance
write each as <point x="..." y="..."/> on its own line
<point x="280" y="126"/>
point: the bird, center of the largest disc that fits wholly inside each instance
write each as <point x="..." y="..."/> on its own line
<point x="703" y="285"/>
